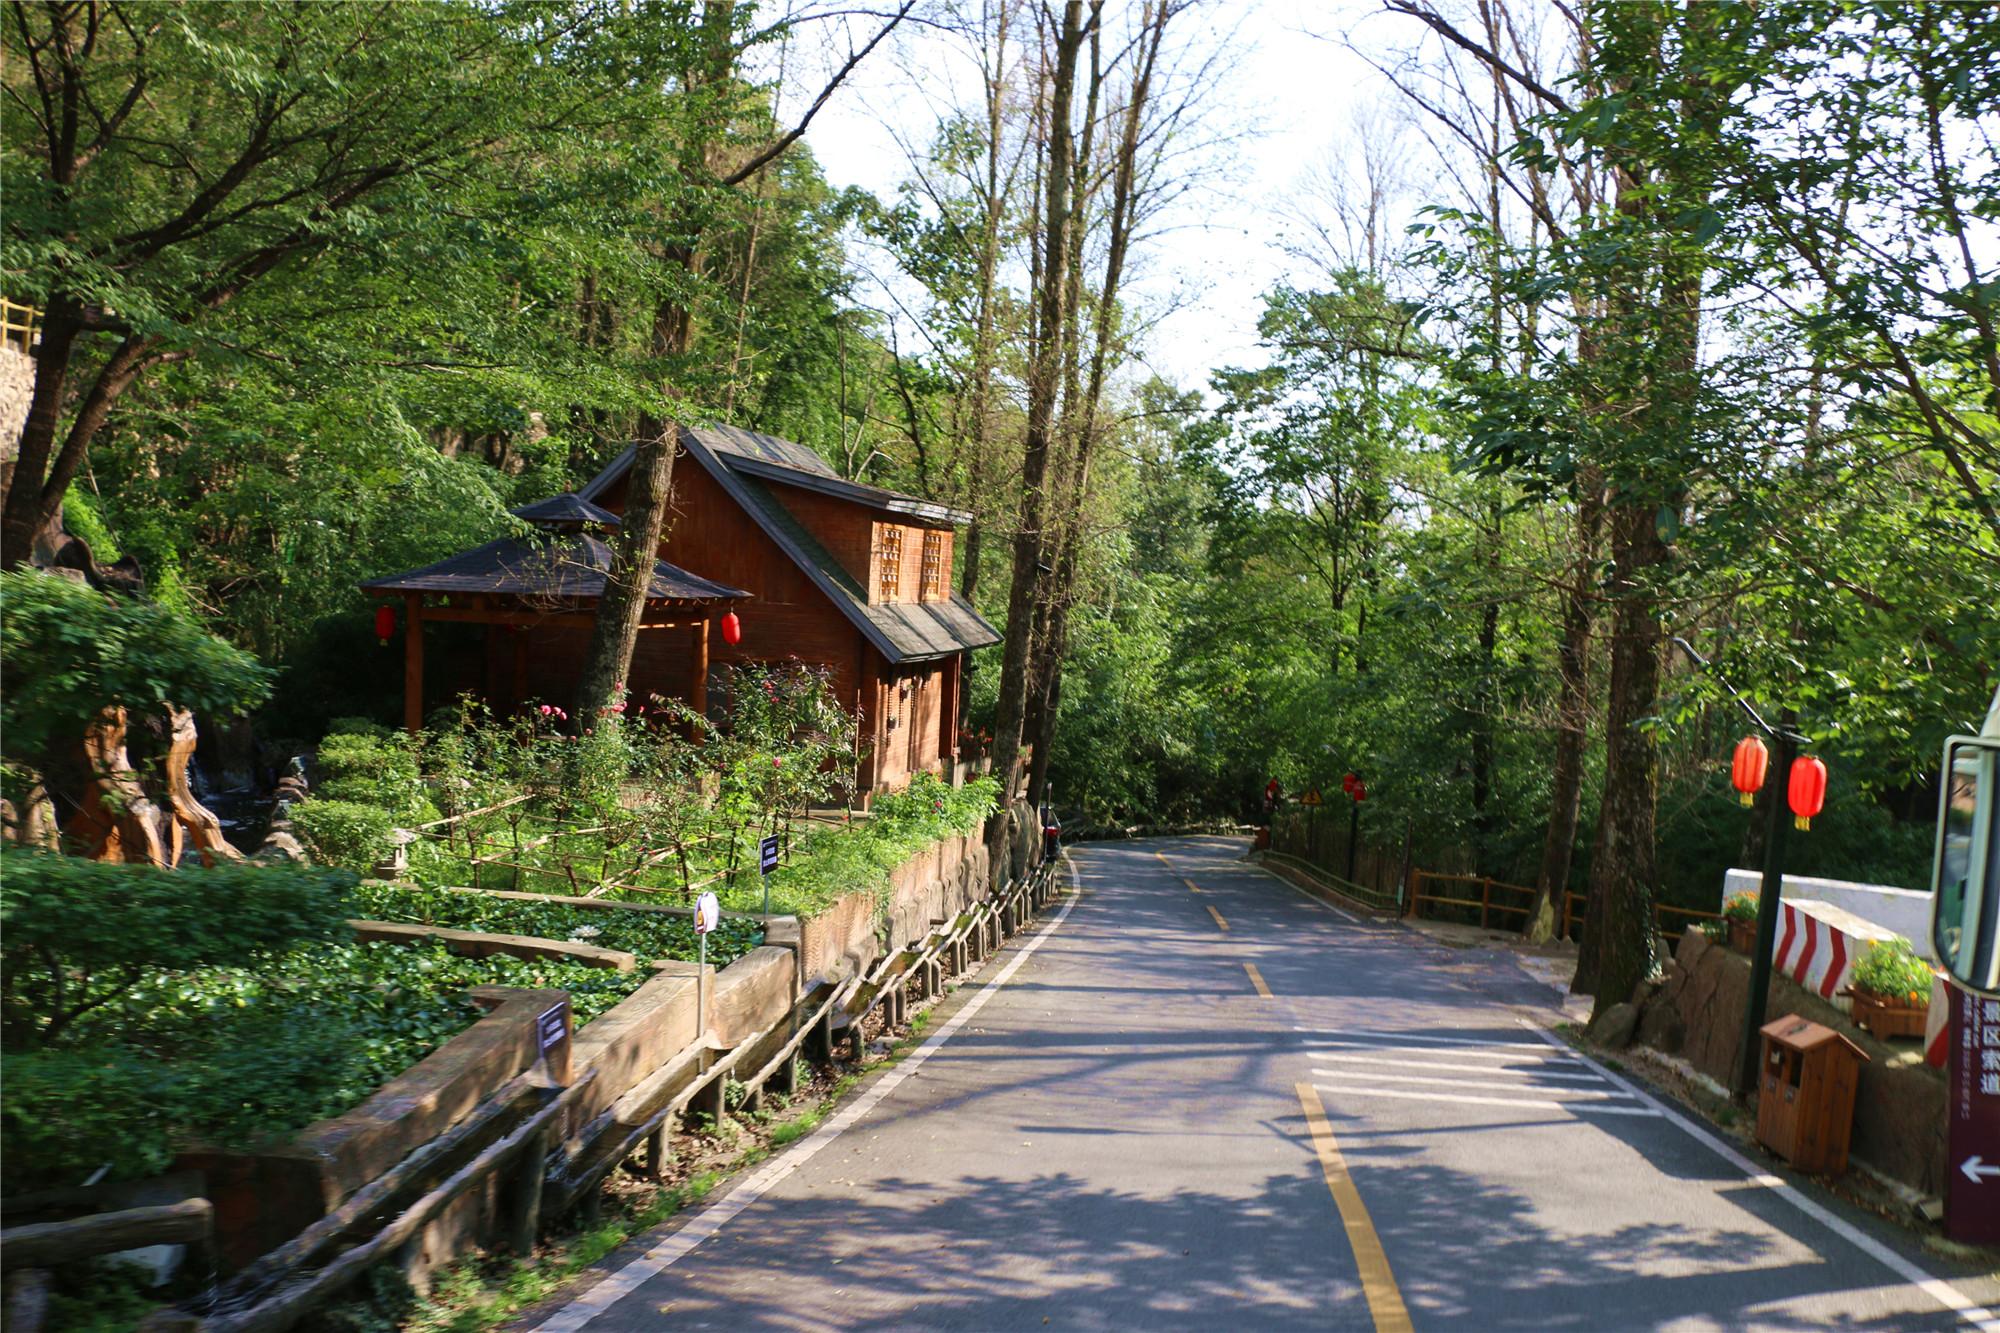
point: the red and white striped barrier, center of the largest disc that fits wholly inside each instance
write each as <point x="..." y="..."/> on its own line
<point x="1819" y="944"/>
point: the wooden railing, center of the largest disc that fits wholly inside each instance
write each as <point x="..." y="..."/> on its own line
<point x="1420" y="879"/>
<point x="18" y="324"/>
<point x="1572" y="914"/>
<point x="1573" y="917"/>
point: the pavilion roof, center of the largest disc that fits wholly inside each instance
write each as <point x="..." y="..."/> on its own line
<point x="556" y="566"/>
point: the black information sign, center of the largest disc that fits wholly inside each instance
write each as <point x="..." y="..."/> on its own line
<point x="553" y="1026"/>
<point x="767" y="854"/>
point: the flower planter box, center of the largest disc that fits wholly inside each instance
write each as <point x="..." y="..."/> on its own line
<point x="1888" y="1015"/>
<point x="1743" y="936"/>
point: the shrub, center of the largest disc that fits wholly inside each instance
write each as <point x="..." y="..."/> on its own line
<point x="1892" y="970"/>
<point x="75" y="934"/>
<point x="348" y="834"/>
<point x="371" y="770"/>
<point x="358" y="726"/>
<point x="1740" y="907"/>
<point x="68" y="652"/>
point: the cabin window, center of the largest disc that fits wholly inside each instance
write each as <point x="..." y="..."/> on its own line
<point x="890" y="564"/>
<point x="933" y="580"/>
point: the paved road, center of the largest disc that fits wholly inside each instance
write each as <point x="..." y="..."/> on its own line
<point x="1116" y="1130"/>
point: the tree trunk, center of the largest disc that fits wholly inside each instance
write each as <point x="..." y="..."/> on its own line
<point x="1572" y="721"/>
<point x="1043" y="384"/>
<point x="1618" y="928"/>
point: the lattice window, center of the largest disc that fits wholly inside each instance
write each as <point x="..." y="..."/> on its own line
<point x="933" y="574"/>
<point x="889" y="563"/>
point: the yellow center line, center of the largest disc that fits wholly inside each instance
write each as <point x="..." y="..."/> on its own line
<point x="1378" y="1283"/>
<point x="1218" y="918"/>
<point x="1257" y="980"/>
<point x="1192" y="886"/>
<point x="1163" y="860"/>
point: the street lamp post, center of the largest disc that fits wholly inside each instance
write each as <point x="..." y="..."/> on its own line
<point x="1786" y="742"/>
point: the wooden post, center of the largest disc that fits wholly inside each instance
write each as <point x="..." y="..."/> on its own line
<point x="698" y="696"/>
<point x="413" y="662"/>
<point x="519" y="633"/>
<point x="524" y="1194"/>
<point x="1485" y="900"/>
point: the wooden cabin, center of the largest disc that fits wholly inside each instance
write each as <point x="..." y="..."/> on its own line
<point x="849" y="577"/>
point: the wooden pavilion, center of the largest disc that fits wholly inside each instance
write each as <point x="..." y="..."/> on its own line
<point x="537" y="596"/>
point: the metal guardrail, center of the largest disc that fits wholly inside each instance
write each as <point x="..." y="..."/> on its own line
<point x="1375" y="899"/>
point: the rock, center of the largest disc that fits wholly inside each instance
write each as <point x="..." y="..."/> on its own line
<point x="1613" y="1028"/>
<point x="1661" y="1027"/>
<point x="1643" y="993"/>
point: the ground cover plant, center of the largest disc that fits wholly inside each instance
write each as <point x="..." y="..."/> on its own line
<point x="647" y="935"/>
<point x="142" y="1010"/>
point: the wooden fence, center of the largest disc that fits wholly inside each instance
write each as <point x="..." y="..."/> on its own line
<point x="1522" y="903"/>
<point x="18" y="324"/>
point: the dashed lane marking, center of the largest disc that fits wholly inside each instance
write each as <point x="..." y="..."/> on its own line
<point x="1538" y="1070"/>
<point x="1581" y="1094"/>
<point x="1391" y="1034"/>
<point x="1257" y="980"/>
<point x="1192" y="886"/>
<point x="1218" y="919"/>
<point x="1371" y="1261"/>
<point x="1533" y="1103"/>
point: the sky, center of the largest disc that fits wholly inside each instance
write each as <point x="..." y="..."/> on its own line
<point x="1288" y="90"/>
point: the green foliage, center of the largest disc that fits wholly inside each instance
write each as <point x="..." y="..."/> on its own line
<point x="648" y="935"/>
<point x="348" y="834"/>
<point x="75" y="935"/>
<point x="69" y="652"/>
<point x="1892" y="969"/>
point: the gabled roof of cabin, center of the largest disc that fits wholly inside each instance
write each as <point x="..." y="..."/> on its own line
<point x="773" y="459"/>
<point x="741" y="463"/>
<point x="566" y="566"/>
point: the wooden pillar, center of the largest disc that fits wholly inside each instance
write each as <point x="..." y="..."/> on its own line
<point x="519" y="634"/>
<point x="413" y="662"/>
<point x="698" y="695"/>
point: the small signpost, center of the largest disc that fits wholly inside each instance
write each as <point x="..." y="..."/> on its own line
<point x="1311" y="797"/>
<point x="767" y="861"/>
<point x="707" y="915"/>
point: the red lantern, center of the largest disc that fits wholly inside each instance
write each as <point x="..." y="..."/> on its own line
<point x="385" y="623"/>
<point x="1808" y="790"/>
<point x="1349" y="783"/>
<point x="732" y="629"/>
<point x="1360" y="792"/>
<point x="1747" y="769"/>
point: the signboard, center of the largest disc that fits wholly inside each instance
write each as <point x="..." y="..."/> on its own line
<point x="1972" y="1119"/>
<point x="767" y="854"/>
<point x="707" y="913"/>
<point x="552" y="1026"/>
<point x="1311" y="797"/>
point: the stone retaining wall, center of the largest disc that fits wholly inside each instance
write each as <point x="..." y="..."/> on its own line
<point x="1899" y="1111"/>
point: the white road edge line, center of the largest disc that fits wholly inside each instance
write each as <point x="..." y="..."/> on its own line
<point x="706" y="1223"/>
<point x="1950" y="1297"/>
<point x="1410" y="1094"/>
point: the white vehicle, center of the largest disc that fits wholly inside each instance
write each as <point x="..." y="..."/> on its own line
<point x="1965" y="873"/>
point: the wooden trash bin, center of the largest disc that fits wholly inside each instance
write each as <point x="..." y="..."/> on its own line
<point x="1805" y="1094"/>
